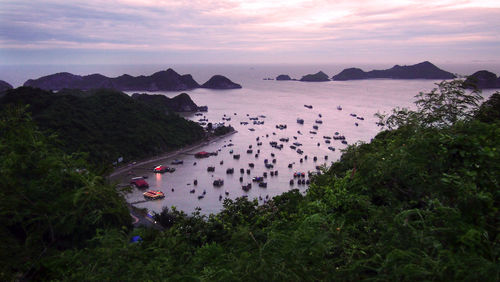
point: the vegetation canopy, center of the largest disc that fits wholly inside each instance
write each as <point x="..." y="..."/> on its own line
<point x="419" y="202"/>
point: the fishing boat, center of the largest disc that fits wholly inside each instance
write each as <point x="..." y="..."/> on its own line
<point x="153" y="195"/>
<point x="139" y="182"/>
<point x="218" y="182"/>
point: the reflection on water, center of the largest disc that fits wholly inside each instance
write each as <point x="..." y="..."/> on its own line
<point x="158" y="178"/>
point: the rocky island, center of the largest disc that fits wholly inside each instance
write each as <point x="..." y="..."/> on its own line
<point x="167" y="80"/>
<point x="179" y="103"/>
<point x="424" y="70"/>
<point x="220" y="82"/>
<point x="283" y="77"/>
<point x="4" y="86"/>
<point x="482" y="79"/>
<point x="317" y="77"/>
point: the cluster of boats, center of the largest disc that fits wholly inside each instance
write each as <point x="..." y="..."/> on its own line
<point x="298" y="177"/>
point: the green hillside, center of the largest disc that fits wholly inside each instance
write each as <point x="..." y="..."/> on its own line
<point x="106" y="124"/>
<point x="420" y="202"/>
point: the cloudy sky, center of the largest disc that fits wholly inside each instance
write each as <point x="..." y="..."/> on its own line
<point x="235" y="31"/>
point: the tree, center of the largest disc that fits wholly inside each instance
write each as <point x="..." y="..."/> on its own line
<point x="442" y="106"/>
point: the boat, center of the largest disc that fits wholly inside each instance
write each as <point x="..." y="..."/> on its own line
<point x="300" y="121"/>
<point x="247" y="187"/>
<point x="218" y="182"/>
<point x="161" y="169"/>
<point x="139" y="182"/>
<point x="202" y="154"/>
<point x="153" y="195"/>
<point x="258" y="179"/>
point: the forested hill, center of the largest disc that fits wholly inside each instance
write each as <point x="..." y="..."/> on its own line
<point x="107" y="124"/>
<point x="418" y="203"/>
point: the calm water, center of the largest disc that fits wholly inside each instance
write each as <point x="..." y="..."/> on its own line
<point x="282" y="103"/>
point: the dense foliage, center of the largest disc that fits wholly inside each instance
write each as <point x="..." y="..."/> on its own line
<point x="106" y="124"/>
<point x="420" y="202"/>
<point x="50" y="202"/>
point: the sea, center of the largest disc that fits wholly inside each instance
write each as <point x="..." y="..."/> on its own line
<point x="272" y="102"/>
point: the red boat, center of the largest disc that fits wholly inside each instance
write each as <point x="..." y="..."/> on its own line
<point x="161" y="169"/>
<point x="153" y="195"/>
<point x="139" y="182"/>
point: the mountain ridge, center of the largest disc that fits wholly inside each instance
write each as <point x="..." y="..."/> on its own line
<point x="165" y="80"/>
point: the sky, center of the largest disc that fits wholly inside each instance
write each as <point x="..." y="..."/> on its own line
<point x="240" y="32"/>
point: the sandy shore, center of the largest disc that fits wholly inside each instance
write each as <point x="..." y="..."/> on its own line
<point x="125" y="169"/>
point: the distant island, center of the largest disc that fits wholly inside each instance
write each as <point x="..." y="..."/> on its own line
<point x="179" y="103"/>
<point x="424" y="70"/>
<point x="283" y="77"/>
<point x="4" y="86"/>
<point x="220" y="82"/>
<point x="317" y="77"/>
<point x="482" y="79"/>
<point x="168" y="80"/>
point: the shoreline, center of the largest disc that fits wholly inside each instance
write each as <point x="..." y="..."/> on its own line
<point x="167" y="155"/>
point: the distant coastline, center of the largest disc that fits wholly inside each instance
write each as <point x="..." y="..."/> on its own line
<point x="167" y="80"/>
